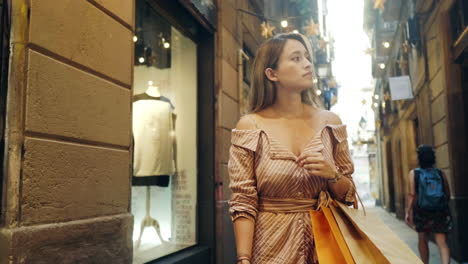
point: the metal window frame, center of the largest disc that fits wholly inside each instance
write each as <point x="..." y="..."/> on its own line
<point x="5" y="25"/>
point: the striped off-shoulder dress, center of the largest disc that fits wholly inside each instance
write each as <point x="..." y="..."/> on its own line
<point x="263" y="174"/>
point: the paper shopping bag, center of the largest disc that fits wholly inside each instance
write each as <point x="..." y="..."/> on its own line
<point x="361" y="248"/>
<point x="329" y="243"/>
<point x="368" y="237"/>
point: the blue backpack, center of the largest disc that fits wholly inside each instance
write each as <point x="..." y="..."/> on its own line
<point x="430" y="188"/>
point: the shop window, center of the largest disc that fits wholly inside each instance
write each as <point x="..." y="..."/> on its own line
<point x="164" y="180"/>
<point x="4" y="57"/>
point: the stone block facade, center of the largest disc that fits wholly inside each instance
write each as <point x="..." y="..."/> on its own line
<point x="69" y="133"/>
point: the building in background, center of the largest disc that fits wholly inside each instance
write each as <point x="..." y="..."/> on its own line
<point x="421" y="97"/>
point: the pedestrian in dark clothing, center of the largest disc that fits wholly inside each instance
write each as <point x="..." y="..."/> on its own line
<point x="427" y="205"/>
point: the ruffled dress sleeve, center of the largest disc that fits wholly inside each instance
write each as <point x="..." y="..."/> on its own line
<point x="343" y="160"/>
<point x="243" y="184"/>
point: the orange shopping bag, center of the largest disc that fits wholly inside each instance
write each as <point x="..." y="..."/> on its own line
<point x="369" y="239"/>
<point x="329" y="242"/>
<point x="344" y="235"/>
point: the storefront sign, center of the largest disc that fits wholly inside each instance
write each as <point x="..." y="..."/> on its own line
<point x="400" y="88"/>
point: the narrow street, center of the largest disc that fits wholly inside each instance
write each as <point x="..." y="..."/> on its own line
<point x="407" y="234"/>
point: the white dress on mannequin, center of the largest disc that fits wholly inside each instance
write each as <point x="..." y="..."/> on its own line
<point x="153" y="135"/>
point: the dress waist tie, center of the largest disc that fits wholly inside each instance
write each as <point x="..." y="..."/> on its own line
<point x="293" y="205"/>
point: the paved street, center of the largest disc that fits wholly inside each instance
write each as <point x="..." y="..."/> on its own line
<point x="407" y="234"/>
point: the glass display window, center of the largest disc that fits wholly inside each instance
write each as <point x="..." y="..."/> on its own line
<point x="164" y="180"/>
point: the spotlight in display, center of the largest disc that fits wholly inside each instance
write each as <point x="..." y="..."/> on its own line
<point x="382" y="66"/>
<point x="319" y="92"/>
<point x="141" y="60"/>
<point x="166" y="45"/>
<point x="386" y="44"/>
<point x="135" y="38"/>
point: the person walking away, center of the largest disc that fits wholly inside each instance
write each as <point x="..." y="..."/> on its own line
<point x="427" y="205"/>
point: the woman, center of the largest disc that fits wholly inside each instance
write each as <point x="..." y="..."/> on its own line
<point x="429" y="220"/>
<point x="286" y="156"/>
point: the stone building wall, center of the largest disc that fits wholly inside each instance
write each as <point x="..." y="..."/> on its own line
<point x="68" y="133"/>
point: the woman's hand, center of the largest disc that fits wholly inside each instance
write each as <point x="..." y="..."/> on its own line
<point x="409" y="218"/>
<point x="316" y="165"/>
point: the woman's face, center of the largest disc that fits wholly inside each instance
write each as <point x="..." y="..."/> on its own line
<point x="294" y="70"/>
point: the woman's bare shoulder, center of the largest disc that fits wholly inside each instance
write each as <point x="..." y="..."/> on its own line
<point x="330" y="117"/>
<point x="246" y="122"/>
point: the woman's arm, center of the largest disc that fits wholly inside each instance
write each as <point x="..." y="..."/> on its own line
<point x="316" y="165"/>
<point x="243" y="203"/>
<point x="243" y="231"/>
<point x="343" y="189"/>
<point x="410" y="200"/>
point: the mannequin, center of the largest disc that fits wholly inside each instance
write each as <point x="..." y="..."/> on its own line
<point x="152" y="90"/>
<point x="153" y="122"/>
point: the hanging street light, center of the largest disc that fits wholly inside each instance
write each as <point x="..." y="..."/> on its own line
<point x="284" y="23"/>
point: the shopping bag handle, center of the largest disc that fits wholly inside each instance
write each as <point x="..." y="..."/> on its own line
<point x="355" y="203"/>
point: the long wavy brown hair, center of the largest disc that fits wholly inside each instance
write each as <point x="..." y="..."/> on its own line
<point x="262" y="90"/>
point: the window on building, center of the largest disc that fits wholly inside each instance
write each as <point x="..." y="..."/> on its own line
<point x="459" y="17"/>
<point x="459" y="25"/>
<point x="165" y="168"/>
